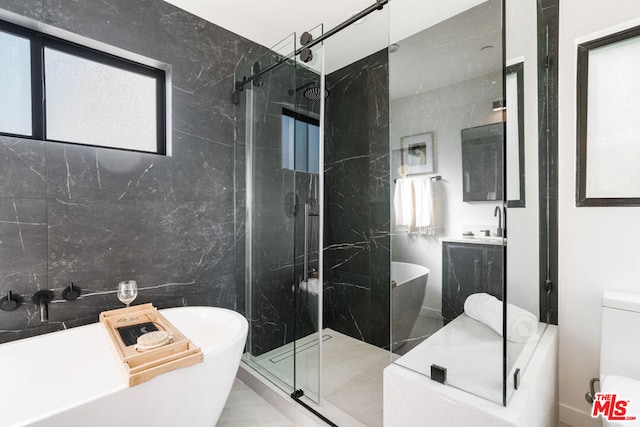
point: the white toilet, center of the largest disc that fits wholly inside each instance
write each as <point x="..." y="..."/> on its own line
<point x="620" y="352"/>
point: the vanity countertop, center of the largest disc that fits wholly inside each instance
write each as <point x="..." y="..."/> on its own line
<point x="477" y="240"/>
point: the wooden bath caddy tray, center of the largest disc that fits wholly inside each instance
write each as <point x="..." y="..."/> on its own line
<point x="142" y="366"/>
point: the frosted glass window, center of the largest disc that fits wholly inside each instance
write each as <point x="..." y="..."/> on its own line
<point x="314" y="149"/>
<point x="288" y="142"/>
<point x="15" y="84"/>
<point x="92" y="103"/>
<point x="613" y="128"/>
<point x="300" y="144"/>
<point x="59" y="91"/>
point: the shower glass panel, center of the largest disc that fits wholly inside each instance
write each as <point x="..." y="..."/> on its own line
<point x="309" y="113"/>
<point x="526" y="107"/>
<point x="271" y="207"/>
<point x="278" y="189"/>
<point x="447" y="162"/>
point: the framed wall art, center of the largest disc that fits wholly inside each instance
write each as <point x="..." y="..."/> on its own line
<point x="417" y="153"/>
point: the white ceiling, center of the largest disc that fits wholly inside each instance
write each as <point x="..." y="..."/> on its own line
<point x="463" y="47"/>
<point x="267" y="22"/>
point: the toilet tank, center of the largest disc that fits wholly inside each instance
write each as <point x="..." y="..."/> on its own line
<point x="620" y="342"/>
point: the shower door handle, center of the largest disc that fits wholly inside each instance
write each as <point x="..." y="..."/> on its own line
<point x="305" y="274"/>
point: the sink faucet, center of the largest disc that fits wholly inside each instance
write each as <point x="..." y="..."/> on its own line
<point x="498" y="212"/>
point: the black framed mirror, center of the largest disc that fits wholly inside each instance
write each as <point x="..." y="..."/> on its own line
<point x="515" y="139"/>
<point x="482" y="163"/>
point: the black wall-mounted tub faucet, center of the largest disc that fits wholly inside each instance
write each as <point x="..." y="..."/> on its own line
<point x="42" y="299"/>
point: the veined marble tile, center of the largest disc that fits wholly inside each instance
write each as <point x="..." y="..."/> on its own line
<point x="22" y="163"/>
<point x="95" y="216"/>
<point x="357" y="200"/>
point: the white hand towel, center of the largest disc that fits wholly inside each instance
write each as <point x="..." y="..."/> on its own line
<point x="521" y="324"/>
<point x="404" y="204"/>
<point x="423" y="193"/>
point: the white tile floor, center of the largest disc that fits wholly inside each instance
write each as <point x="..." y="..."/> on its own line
<point x="352" y="373"/>
<point x="245" y="408"/>
<point x="351" y="377"/>
<point x="352" y="385"/>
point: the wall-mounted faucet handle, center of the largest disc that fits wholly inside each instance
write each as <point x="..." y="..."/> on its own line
<point x="71" y="292"/>
<point x="42" y="299"/>
<point x="10" y="302"/>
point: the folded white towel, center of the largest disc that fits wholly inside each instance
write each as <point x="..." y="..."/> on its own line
<point x="521" y="324"/>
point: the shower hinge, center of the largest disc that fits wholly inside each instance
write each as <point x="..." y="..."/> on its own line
<point x="516" y="379"/>
<point x="548" y="286"/>
<point x="439" y="374"/>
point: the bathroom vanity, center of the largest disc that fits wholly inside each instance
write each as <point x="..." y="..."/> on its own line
<point x="470" y="266"/>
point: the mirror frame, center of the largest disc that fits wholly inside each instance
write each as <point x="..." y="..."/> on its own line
<point x="518" y="70"/>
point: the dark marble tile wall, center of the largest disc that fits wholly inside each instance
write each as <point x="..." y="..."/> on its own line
<point x="357" y="226"/>
<point x="548" y="21"/>
<point x="95" y="216"/>
<point x="277" y="206"/>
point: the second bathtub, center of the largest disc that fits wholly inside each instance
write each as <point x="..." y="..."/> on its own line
<point x="409" y="282"/>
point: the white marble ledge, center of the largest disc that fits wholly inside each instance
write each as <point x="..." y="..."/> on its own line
<point x="477" y="240"/>
<point x="413" y="400"/>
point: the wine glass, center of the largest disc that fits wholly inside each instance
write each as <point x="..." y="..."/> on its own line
<point x="127" y="292"/>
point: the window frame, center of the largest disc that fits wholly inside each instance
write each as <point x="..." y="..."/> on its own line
<point x="303" y="118"/>
<point x="39" y="41"/>
<point x="300" y="117"/>
<point x="582" y="116"/>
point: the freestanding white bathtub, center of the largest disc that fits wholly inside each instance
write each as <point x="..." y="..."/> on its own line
<point x="72" y="378"/>
<point x="409" y="282"/>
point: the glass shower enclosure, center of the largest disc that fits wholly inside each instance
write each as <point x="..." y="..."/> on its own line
<point x="471" y="160"/>
<point x="279" y="214"/>
<point x="459" y="84"/>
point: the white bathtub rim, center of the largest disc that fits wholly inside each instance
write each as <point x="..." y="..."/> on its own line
<point x="421" y="270"/>
<point x="116" y="387"/>
<point x="244" y="328"/>
<point x="120" y="382"/>
<point x="163" y="310"/>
